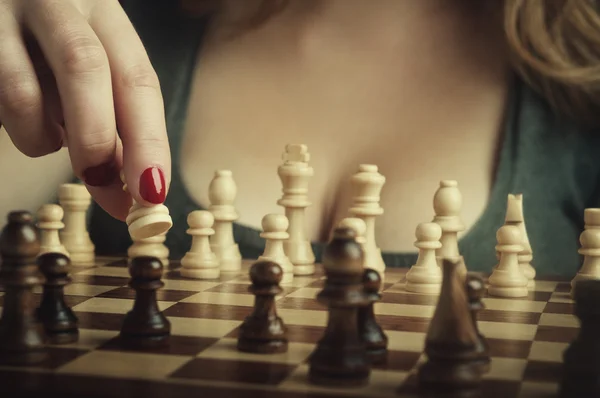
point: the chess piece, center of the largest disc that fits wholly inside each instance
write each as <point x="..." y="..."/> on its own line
<point x="451" y="341"/>
<point x="263" y="332"/>
<point x="49" y="224"/>
<point x="274" y="231"/>
<point x="340" y="358"/>
<point x="447" y="204"/>
<point x="581" y="360"/>
<point x="367" y="185"/>
<point x="221" y="193"/>
<point x="475" y="290"/>
<point x="75" y="201"/>
<point x="590" y="249"/>
<point x="295" y="174"/>
<point x="144" y="222"/>
<point x="21" y="335"/>
<point x="153" y="246"/>
<point x="60" y="323"/>
<point x="369" y="330"/>
<point x="425" y="276"/>
<point x="507" y="279"/>
<point x="200" y="262"/>
<point x="514" y="216"/>
<point x="145" y="325"/>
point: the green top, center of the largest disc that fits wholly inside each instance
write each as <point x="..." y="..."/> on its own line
<point x="552" y="162"/>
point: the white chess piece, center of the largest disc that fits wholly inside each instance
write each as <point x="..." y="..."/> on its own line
<point x="590" y="249"/>
<point x="507" y="279"/>
<point x="153" y="247"/>
<point x="367" y="185"/>
<point x="75" y="201"/>
<point x="221" y="193"/>
<point x="50" y="223"/>
<point x="514" y="216"/>
<point x="295" y="174"/>
<point x="145" y="222"/>
<point x="425" y="276"/>
<point x="274" y="232"/>
<point x="200" y="262"/>
<point x="447" y="204"/>
<point x="358" y="226"/>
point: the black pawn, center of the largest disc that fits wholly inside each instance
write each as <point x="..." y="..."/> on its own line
<point x="145" y="326"/>
<point x="263" y="332"/>
<point x="59" y="321"/>
<point x="21" y="335"/>
<point x="581" y="360"/>
<point x="340" y="358"/>
<point x="475" y="290"/>
<point x="371" y="333"/>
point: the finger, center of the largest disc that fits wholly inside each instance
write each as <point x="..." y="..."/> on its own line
<point x="138" y="105"/>
<point x="82" y="73"/>
<point x="21" y="103"/>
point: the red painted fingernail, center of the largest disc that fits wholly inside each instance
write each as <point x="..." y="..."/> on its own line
<point x="101" y="175"/>
<point x="152" y="185"/>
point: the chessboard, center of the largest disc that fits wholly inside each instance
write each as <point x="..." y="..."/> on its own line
<point x="527" y="337"/>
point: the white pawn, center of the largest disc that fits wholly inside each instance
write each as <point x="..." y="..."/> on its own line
<point x="221" y="193"/>
<point x="274" y="231"/>
<point x="507" y="279"/>
<point x="590" y="249"/>
<point x="447" y="204"/>
<point x="153" y="247"/>
<point x="426" y="275"/>
<point x="144" y="222"/>
<point x="50" y="223"/>
<point x="75" y="201"/>
<point x="200" y="262"/>
<point x="514" y="216"/>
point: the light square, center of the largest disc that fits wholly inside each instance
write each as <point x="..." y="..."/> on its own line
<point x="507" y="369"/>
<point x="303" y="317"/>
<point x="122" y="272"/>
<point x="419" y="311"/>
<point x="560" y="297"/>
<point x="510" y="331"/>
<point x="405" y="341"/>
<point x="82" y="289"/>
<point x="246" y="300"/>
<point x="545" y="286"/>
<point x="125" y="364"/>
<point x="537" y="390"/>
<point x="514" y="305"/>
<point x="188" y="285"/>
<point x="90" y="339"/>
<point x="564" y="320"/>
<point x="215" y="328"/>
<point x="305" y="292"/>
<point x="113" y="305"/>
<point x="226" y="348"/>
<point x="547" y="351"/>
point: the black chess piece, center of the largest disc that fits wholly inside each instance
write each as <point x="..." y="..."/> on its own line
<point x="581" y="360"/>
<point x="21" y="335"/>
<point x="451" y="341"/>
<point x="145" y="325"/>
<point x="263" y="332"/>
<point x="475" y="289"/>
<point x="60" y="323"/>
<point x="370" y="332"/>
<point x="340" y="358"/>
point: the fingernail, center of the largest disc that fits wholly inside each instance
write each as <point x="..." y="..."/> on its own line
<point x="101" y="175"/>
<point x="152" y="185"/>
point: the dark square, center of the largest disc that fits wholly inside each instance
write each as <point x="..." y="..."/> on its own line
<point x="99" y="320"/>
<point x="99" y="280"/>
<point x="559" y="308"/>
<point x="489" y="388"/>
<point x="409" y="298"/>
<point x="208" y="311"/>
<point x="509" y="348"/>
<point x="234" y="371"/>
<point x="178" y="345"/>
<point x="403" y="323"/>
<point x="530" y="318"/>
<point x="300" y="303"/>
<point x="556" y="334"/>
<point x="126" y="292"/>
<point x="58" y="356"/>
<point x="564" y="287"/>
<point x="295" y="333"/>
<point x="541" y="371"/>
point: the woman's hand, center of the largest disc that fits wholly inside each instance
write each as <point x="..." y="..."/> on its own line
<point x="74" y="73"/>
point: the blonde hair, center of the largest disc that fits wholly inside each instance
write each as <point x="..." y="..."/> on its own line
<point x="554" y="46"/>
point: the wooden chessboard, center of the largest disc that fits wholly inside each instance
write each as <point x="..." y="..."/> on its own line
<point x="526" y="336"/>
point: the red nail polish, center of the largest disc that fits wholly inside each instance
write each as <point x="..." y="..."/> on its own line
<point x="101" y="175"/>
<point x="152" y="185"/>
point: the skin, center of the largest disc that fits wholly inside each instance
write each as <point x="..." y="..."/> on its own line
<point x="413" y="87"/>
